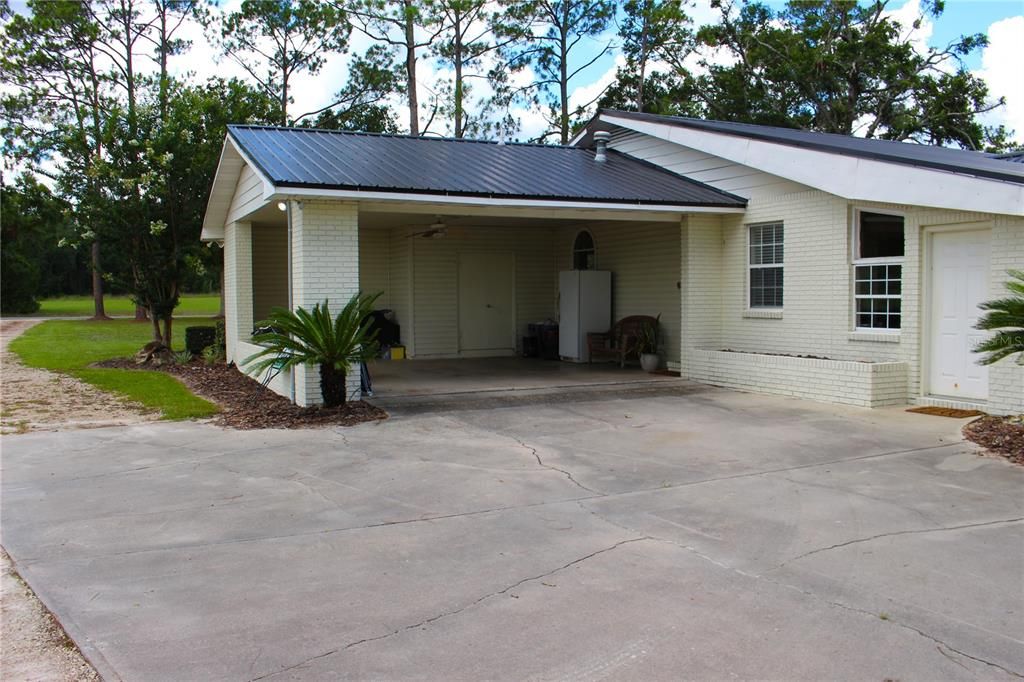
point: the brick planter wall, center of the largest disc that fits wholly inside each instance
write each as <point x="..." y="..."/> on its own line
<point x="865" y="384"/>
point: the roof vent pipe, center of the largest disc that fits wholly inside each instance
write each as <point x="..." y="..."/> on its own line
<point x="601" y="138"/>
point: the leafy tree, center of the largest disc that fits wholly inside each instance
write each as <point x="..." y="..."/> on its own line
<point x="1004" y="317"/>
<point x="466" y="38"/>
<point x="56" y="104"/>
<point x="32" y="219"/>
<point x="651" y="30"/>
<point x="275" y="40"/>
<point x="157" y="184"/>
<point x="406" y="26"/>
<point x="546" y="35"/>
<point x="845" y="67"/>
<point x="362" y="103"/>
<point x="303" y="337"/>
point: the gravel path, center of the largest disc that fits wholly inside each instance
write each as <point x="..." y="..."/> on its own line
<point x="38" y="400"/>
<point x="32" y="645"/>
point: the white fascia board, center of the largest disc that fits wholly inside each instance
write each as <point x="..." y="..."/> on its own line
<point x="225" y="182"/>
<point x="499" y="203"/>
<point x="849" y="177"/>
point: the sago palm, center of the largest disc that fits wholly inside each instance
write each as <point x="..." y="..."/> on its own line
<point x="305" y="337"/>
<point x="1005" y="317"/>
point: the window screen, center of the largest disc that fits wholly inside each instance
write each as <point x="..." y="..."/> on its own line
<point x="765" y="262"/>
<point x="878" y="272"/>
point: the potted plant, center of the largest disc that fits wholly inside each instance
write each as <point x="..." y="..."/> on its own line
<point x="647" y="346"/>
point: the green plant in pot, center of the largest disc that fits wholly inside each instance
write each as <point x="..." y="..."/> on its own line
<point x="312" y="337"/>
<point x="647" y="346"/>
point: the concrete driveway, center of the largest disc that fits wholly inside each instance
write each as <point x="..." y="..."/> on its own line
<point x="698" y="534"/>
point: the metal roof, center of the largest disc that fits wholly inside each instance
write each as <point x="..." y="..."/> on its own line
<point x="942" y="158"/>
<point x="1012" y="157"/>
<point x="305" y="157"/>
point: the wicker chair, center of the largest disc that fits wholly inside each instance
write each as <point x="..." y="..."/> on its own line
<point x="621" y="341"/>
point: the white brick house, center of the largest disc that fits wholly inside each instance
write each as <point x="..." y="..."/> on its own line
<point x="787" y="262"/>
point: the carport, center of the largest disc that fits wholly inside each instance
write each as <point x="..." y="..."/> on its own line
<point x="464" y="240"/>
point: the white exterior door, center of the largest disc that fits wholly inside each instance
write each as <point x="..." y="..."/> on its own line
<point x="959" y="282"/>
<point x="487" y="302"/>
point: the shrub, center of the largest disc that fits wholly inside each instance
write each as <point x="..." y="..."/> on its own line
<point x="197" y="339"/>
<point x="337" y="344"/>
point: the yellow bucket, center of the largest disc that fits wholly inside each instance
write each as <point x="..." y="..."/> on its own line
<point x="398" y="352"/>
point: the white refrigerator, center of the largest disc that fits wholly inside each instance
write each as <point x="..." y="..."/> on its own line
<point x="584" y="305"/>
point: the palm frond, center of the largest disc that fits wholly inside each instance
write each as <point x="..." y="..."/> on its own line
<point x="314" y="337"/>
<point x="1005" y="317"/>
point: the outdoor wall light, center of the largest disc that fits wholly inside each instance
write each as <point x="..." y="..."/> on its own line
<point x="281" y="206"/>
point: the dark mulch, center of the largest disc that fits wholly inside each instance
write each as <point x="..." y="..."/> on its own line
<point x="1002" y="435"/>
<point x="953" y="412"/>
<point x="246" y="405"/>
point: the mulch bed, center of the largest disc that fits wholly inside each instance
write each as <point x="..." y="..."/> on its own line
<point x="246" y="405"/>
<point x="1002" y="435"/>
<point x="953" y="412"/>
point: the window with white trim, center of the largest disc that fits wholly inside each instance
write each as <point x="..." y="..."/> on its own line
<point x="765" y="265"/>
<point x="878" y="271"/>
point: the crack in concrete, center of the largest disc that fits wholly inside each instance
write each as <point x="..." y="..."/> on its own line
<point x="916" y="531"/>
<point x="311" y="533"/>
<point x="452" y="612"/>
<point x="568" y="475"/>
<point x="939" y="643"/>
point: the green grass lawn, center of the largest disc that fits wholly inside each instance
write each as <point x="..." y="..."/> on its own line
<point x="70" y="346"/>
<point x="192" y="305"/>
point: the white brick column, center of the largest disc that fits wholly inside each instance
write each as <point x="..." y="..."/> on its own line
<point x="700" y="281"/>
<point x="325" y="265"/>
<point x="237" y="287"/>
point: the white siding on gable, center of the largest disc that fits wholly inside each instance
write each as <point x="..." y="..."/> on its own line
<point x="713" y="170"/>
<point x="248" y="194"/>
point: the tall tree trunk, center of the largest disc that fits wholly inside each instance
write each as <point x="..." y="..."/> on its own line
<point x="410" y="69"/>
<point x="168" y="325"/>
<point x="157" y="336"/>
<point x="457" y="26"/>
<point x="99" y="313"/>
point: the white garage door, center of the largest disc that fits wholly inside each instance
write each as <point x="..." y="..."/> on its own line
<point x="959" y="282"/>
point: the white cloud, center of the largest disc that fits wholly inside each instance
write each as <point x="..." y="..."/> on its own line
<point x="1001" y="69"/>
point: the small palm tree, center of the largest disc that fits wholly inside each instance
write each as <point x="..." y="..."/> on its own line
<point x="1005" y="317"/>
<point x="306" y="337"/>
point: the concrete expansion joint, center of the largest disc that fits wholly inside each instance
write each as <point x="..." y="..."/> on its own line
<point x="452" y="612"/>
<point x="915" y="531"/>
<point x="939" y="644"/>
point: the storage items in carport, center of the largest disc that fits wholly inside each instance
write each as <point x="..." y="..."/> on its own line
<point x="389" y="333"/>
<point x="541" y="340"/>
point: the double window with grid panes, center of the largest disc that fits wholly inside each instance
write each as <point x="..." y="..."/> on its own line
<point x="878" y="271"/>
<point x="765" y="265"/>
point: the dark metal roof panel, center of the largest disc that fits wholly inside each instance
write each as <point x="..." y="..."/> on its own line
<point x="926" y="156"/>
<point x="303" y="157"/>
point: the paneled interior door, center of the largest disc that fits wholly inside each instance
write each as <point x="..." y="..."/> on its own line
<point x="487" y="315"/>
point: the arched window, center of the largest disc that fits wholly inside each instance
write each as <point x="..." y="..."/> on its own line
<point x="583" y="256"/>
